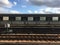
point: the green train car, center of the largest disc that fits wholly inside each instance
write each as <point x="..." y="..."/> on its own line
<point x="30" y="23"/>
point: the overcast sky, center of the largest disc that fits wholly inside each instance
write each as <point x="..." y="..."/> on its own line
<point x="30" y="6"/>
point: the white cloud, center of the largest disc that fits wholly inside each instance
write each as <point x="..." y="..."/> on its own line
<point x="49" y="3"/>
<point x="15" y="12"/>
<point x="5" y="3"/>
<point x="3" y="10"/>
<point x="47" y="10"/>
<point x="15" y="3"/>
<point x="35" y="11"/>
<point x="29" y="11"/>
<point x="27" y="0"/>
<point x="7" y="11"/>
<point x="51" y="10"/>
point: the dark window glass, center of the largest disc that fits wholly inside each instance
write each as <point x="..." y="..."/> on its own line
<point x="0" y="18"/>
<point x="12" y="18"/>
<point x="48" y="19"/>
<point x="24" y="19"/>
<point x="36" y="18"/>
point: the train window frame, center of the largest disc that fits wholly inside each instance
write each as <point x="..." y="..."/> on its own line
<point x="18" y="18"/>
<point x="55" y="18"/>
<point x="5" y="18"/>
<point x="36" y="18"/>
<point x="23" y="18"/>
<point x="43" y="19"/>
<point x="0" y="18"/>
<point x="30" y="18"/>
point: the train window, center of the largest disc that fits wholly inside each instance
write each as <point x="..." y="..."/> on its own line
<point x="30" y="18"/>
<point x="42" y="18"/>
<point x="55" y="18"/>
<point x="5" y="17"/>
<point x="18" y="18"/>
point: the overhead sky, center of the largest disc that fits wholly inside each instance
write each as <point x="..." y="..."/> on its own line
<point x="30" y="6"/>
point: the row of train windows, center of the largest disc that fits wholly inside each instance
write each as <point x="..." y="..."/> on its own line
<point x="6" y="18"/>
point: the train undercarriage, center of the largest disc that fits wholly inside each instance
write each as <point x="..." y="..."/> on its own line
<point x="30" y="30"/>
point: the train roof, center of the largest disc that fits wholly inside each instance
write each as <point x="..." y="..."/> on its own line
<point x="29" y="14"/>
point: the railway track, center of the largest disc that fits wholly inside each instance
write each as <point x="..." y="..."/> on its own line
<point x="31" y="37"/>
